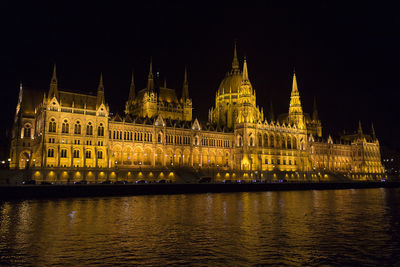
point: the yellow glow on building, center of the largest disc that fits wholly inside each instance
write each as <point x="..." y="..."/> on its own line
<point x="68" y="135"/>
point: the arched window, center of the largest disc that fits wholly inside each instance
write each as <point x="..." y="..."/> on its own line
<point x="89" y="129"/>
<point x="271" y="141"/>
<point x="76" y="153"/>
<point x="159" y="138"/>
<point x="50" y="153"/>
<point x="100" y="130"/>
<point x="63" y="153"/>
<point x="278" y="141"/>
<point x="52" y="126"/>
<point x="88" y="154"/>
<point x="27" y="131"/>
<point x="77" y="128"/>
<point x="259" y="140"/>
<point x="99" y="154"/>
<point x="251" y="141"/>
<point x="65" y="127"/>
<point x="289" y="142"/>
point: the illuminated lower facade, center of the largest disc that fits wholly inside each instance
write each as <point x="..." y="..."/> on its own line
<point x="63" y="137"/>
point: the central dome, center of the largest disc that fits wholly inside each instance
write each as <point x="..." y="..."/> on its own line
<point x="233" y="79"/>
<point x="231" y="83"/>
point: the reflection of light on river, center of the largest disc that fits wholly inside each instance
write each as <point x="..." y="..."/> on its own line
<point x="341" y="227"/>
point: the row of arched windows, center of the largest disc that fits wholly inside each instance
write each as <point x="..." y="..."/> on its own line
<point x="280" y="162"/>
<point x="271" y="141"/>
<point x="277" y="141"/>
<point x="178" y="139"/>
<point x="77" y="128"/>
<point x="75" y="154"/>
<point x="214" y="142"/>
<point x="131" y="136"/>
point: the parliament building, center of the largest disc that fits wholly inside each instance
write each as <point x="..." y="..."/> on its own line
<point x="62" y="136"/>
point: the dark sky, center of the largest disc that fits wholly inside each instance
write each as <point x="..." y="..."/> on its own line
<point x="346" y="55"/>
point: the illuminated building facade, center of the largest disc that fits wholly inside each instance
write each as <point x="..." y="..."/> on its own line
<point x="63" y="136"/>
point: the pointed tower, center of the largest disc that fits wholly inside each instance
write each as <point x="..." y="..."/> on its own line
<point x="295" y="110"/>
<point x="235" y="62"/>
<point x="150" y="78"/>
<point x="185" y="89"/>
<point x="373" y="131"/>
<point x="131" y="97"/>
<point x="315" y="111"/>
<point x="100" y="92"/>
<point x="53" y="90"/>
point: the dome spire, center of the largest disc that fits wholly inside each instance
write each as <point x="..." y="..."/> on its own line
<point x="235" y="62"/>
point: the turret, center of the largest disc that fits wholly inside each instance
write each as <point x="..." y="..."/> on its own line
<point x="53" y="91"/>
<point x="100" y="92"/>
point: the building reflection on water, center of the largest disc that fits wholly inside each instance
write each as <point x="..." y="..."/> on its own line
<point x="311" y="227"/>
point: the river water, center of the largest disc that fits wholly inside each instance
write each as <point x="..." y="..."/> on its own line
<point x="331" y="227"/>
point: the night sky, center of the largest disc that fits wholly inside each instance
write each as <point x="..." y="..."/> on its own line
<point x="346" y="55"/>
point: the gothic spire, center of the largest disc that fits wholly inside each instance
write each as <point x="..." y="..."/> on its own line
<point x="294" y="85"/>
<point x="150" y="79"/>
<point x="101" y="85"/>
<point x="235" y="62"/>
<point x="315" y="111"/>
<point x="100" y="92"/>
<point x="53" y="91"/>
<point x="360" y="131"/>
<point x="185" y="89"/>
<point x="295" y="104"/>
<point x="132" y="89"/>
<point x="295" y="109"/>
<point x="373" y="131"/>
